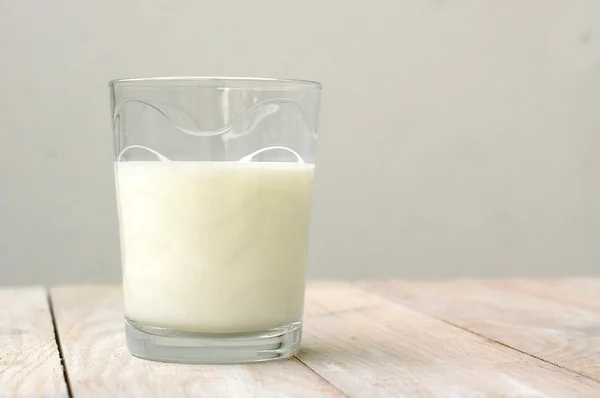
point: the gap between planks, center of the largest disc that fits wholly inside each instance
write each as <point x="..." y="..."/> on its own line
<point x="338" y="316"/>
<point x="29" y="358"/>
<point x="499" y="343"/>
<point x="59" y="344"/>
<point x="555" y="331"/>
<point x="89" y="320"/>
<point x="397" y="351"/>
<point x="60" y="347"/>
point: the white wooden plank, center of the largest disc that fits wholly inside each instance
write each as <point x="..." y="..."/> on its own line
<point x="581" y="292"/>
<point x="567" y="335"/>
<point x="369" y="347"/>
<point x="90" y="324"/>
<point x="29" y="359"/>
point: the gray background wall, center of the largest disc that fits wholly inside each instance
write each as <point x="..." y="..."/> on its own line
<point x="458" y="137"/>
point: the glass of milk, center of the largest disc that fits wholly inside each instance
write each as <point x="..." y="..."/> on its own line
<point x="213" y="181"/>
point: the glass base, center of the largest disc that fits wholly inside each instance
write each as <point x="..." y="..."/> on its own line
<point x="166" y="345"/>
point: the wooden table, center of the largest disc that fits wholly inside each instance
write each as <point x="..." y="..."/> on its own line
<point x="463" y="338"/>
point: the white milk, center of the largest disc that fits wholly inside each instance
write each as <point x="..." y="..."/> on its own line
<point x="214" y="246"/>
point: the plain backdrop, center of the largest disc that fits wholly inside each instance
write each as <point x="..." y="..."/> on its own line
<point x="458" y="138"/>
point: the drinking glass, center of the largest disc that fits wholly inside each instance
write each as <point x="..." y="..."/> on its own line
<point x="213" y="181"/>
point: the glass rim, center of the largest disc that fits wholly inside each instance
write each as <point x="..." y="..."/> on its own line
<point x="210" y="81"/>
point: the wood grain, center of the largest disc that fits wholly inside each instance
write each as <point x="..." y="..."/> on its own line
<point x="29" y="359"/>
<point x="90" y="324"/>
<point x="581" y="292"/>
<point x="567" y="335"/>
<point x="369" y="347"/>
